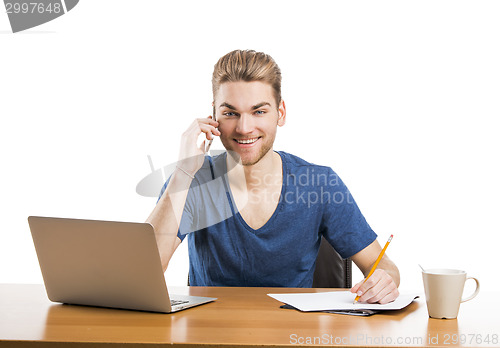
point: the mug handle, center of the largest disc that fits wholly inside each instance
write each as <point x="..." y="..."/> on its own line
<point x="475" y="292"/>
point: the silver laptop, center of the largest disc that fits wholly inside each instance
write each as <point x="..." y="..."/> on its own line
<point x="105" y="264"/>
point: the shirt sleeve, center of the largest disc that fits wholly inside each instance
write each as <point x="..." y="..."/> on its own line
<point x="343" y="224"/>
<point x="207" y="203"/>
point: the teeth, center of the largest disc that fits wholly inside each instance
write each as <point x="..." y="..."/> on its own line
<point x="247" y="141"/>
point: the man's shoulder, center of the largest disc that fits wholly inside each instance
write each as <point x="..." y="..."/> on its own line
<point x="296" y="163"/>
<point x="213" y="167"/>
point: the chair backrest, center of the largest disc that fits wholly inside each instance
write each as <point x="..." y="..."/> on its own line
<point x="332" y="271"/>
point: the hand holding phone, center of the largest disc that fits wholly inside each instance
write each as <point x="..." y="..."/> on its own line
<point x="211" y="140"/>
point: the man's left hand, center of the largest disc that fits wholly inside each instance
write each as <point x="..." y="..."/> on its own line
<point x="379" y="288"/>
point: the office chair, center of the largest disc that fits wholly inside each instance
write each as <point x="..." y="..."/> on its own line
<point x="332" y="271"/>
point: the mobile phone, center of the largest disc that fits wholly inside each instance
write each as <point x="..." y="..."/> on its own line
<point x="211" y="140"/>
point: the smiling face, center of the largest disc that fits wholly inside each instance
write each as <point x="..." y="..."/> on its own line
<point x="248" y="116"/>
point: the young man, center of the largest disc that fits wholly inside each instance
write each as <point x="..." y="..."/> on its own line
<point x="257" y="215"/>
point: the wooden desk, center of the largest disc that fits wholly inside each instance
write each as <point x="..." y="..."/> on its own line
<point x="240" y="317"/>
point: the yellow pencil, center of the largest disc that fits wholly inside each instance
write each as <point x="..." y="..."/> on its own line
<point x="375" y="264"/>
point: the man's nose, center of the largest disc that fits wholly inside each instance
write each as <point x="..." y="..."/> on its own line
<point x="245" y="124"/>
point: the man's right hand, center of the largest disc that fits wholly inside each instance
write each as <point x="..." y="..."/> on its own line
<point x="167" y="214"/>
<point x="191" y="156"/>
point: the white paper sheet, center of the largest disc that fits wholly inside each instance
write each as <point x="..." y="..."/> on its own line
<point x="338" y="300"/>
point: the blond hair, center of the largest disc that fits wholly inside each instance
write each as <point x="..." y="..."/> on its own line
<point x="247" y="65"/>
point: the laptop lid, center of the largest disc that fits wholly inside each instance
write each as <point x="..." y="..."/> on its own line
<point x="101" y="263"/>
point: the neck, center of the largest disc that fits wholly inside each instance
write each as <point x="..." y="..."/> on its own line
<point x="255" y="175"/>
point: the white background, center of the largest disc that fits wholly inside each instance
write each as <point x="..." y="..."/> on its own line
<point x="399" y="98"/>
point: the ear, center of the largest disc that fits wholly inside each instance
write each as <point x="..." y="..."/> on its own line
<point x="281" y="113"/>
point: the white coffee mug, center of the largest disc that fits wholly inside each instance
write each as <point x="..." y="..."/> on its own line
<point x="443" y="291"/>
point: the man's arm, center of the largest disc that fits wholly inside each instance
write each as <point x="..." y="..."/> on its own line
<point x="167" y="214"/>
<point x="382" y="286"/>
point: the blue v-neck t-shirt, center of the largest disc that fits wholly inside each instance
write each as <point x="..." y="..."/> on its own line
<point x="225" y="251"/>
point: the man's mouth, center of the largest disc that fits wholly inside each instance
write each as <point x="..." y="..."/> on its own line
<point x="247" y="141"/>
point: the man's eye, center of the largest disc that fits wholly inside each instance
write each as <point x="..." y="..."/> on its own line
<point x="229" y="113"/>
<point x="260" y="112"/>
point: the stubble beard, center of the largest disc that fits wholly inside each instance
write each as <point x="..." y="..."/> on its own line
<point x="265" y="148"/>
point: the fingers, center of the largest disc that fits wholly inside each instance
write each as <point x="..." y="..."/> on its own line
<point x="209" y="130"/>
<point x="355" y="288"/>
<point x="208" y="120"/>
<point x="380" y="288"/>
<point x="389" y="297"/>
<point x="200" y="125"/>
<point x="207" y="126"/>
<point x="190" y="153"/>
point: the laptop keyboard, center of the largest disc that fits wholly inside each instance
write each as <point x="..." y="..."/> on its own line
<point x="177" y="302"/>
